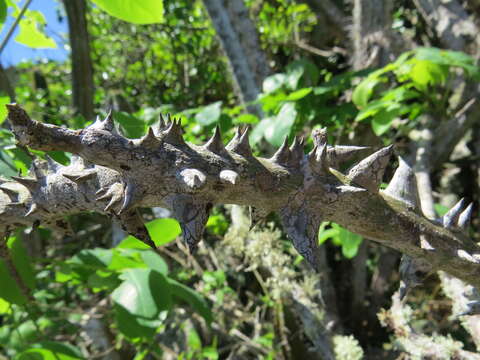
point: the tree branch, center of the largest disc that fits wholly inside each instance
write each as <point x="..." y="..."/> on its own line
<point x="161" y="168"/>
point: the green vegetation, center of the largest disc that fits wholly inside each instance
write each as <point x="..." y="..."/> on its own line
<point x="228" y="300"/>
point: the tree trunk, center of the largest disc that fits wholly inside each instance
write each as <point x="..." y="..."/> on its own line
<point x="82" y="68"/>
<point x="239" y="38"/>
<point x="373" y="41"/>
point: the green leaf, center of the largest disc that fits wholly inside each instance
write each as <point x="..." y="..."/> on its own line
<point x="96" y="258"/>
<point x="299" y="94"/>
<point x="10" y="290"/>
<point x="191" y="297"/>
<point x="131" y="242"/>
<point x="362" y="93"/>
<point x="141" y="302"/>
<point x="440" y="209"/>
<point x="143" y="293"/>
<point x="22" y="261"/>
<point x="382" y="121"/>
<point x="3" y="12"/>
<point x="327" y="234"/>
<point x="133" y="126"/>
<point x="258" y="131"/>
<point x="273" y="82"/>
<point x="126" y="259"/>
<point x="193" y="340"/>
<point x="4" y="100"/>
<point x="281" y="125"/>
<point x="349" y="241"/>
<point x="102" y="280"/>
<point x="163" y="231"/>
<point x="302" y="73"/>
<point x="50" y="350"/>
<point x="209" y="114"/>
<point x="246" y="119"/>
<point x="31" y="36"/>
<point x="424" y="73"/>
<point x="134" y="11"/>
<point x="5" y="307"/>
<point x="155" y="262"/>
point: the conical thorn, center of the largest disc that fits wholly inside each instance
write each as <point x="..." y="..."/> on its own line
<point x="53" y="166"/>
<point x="150" y="141"/>
<point x="11" y="193"/>
<point x="339" y="154"/>
<point x="30" y="184"/>
<point x="215" y="144"/>
<point x="403" y="185"/>
<point x="450" y="219"/>
<point x="32" y="210"/>
<point x="369" y="172"/>
<point x="127" y="197"/>
<point x="108" y="123"/>
<point x="318" y="160"/>
<point x="173" y="135"/>
<point x="81" y="177"/>
<point x="282" y="155"/>
<point x="465" y="217"/>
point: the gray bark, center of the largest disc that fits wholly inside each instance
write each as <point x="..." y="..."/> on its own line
<point x="162" y="169"/>
<point x="373" y="41"/>
<point x="240" y="42"/>
<point x="82" y="68"/>
<point x="451" y="23"/>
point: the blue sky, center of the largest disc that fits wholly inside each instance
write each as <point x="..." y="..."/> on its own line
<point x="57" y="30"/>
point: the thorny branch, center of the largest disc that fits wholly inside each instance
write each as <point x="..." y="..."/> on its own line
<point x="161" y="169"/>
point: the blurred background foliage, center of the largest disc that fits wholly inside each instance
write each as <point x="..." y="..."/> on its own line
<point x="226" y="303"/>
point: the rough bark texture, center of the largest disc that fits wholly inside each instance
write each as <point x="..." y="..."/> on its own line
<point x="240" y="42"/>
<point x="373" y="41"/>
<point x="162" y="169"/>
<point x="451" y="23"/>
<point x="82" y="68"/>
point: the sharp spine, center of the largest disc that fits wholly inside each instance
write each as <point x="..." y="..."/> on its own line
<point x="81" y="177"/>
<point x="11" y="193"/>
<point x="52" y="165"/>
<point x="282" y="155"/>
<point x="215" y="144"/>
<point x="161" y="122"/>
<point x="108" y="124"/>
<point x="150" y="141"/>
<point x="403" y="185"/>
<point x="240" y="144"/>
<point x="465" y="217"/>
<point x="296" y="151"/>
<point x="32" y="210"/>
<point x="173" y="134"/>
<point x="450" y="219"/>
<point x="127" y="197"/>
<point x="318" y="160"/>
<point x="369" y="172"/>
<point x="340" y="153"/>
<point x="30" y="184"/>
